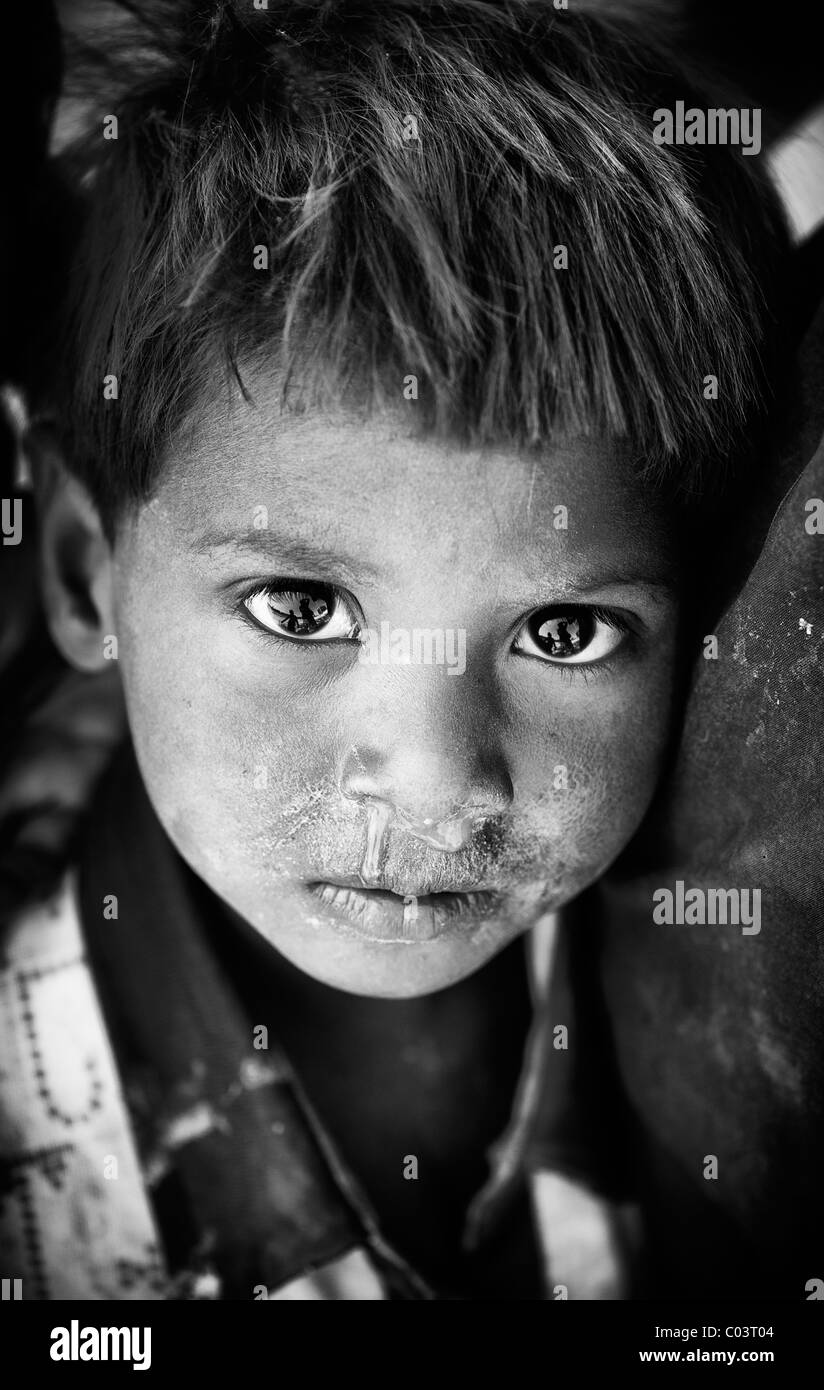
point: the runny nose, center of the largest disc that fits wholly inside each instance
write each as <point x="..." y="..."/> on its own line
<point x="442" y="827"/>
<point x="448" y="835"/>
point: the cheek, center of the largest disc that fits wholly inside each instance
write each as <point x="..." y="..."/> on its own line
<point x="590" y="768"/>
<point x="223" y="753"/>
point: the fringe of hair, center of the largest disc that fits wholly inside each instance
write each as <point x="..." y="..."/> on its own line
<point x="392" y="256"/>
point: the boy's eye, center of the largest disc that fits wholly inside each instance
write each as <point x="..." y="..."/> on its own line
<point x="572" y="635"/>
<point x="304" y="612"/>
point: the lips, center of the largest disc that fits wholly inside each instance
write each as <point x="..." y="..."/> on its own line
<point x="379" y="914"/>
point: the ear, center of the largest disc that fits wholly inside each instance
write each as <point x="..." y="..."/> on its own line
<point x="76" y="561"/>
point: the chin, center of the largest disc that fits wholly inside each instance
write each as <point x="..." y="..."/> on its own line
<point x="387" y="969"/>
<point x="396" y="973"/>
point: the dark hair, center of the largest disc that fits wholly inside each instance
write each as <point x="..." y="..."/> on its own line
<point x="286" y="128"/>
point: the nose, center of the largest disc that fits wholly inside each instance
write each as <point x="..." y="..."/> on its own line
<point x="439" y="796"/>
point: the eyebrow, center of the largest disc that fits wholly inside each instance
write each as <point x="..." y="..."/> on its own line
<point x="300" y="555"/>
<point x="659" y="587"/>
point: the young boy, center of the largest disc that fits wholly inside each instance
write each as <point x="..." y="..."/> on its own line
<point x="397" y="377"/>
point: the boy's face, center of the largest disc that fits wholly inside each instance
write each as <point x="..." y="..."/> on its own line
<point x="312" y="776"/>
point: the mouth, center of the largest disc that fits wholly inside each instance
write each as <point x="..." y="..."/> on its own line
<point x="378" y="914"/>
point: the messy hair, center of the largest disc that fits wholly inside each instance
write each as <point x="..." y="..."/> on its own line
<point x="411" y="169"/>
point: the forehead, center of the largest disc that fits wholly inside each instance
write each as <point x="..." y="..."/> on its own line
<point x="375" y="486"/>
